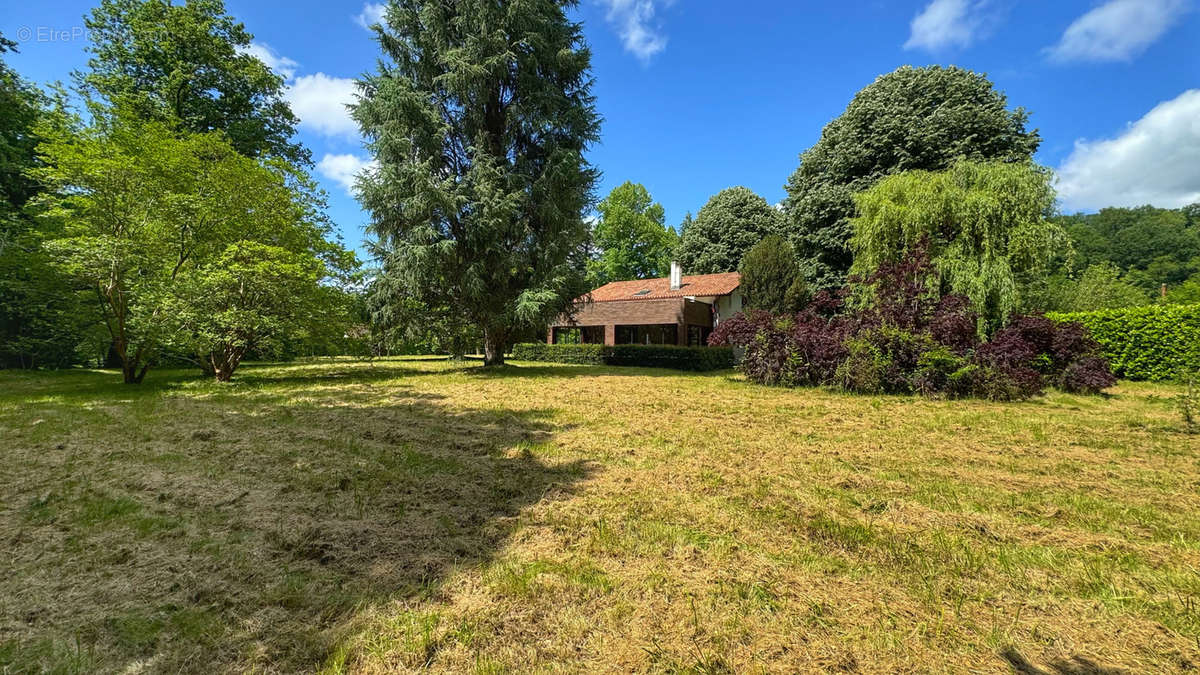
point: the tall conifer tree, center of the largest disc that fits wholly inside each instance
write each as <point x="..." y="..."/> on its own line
<point x="478" y="118"/>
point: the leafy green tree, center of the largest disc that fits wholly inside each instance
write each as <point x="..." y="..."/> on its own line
<point x="143" y="208"/>
<point x="1101" y="286"/>
<point x="188" y="63"/>
<point x="250" y="297"/>
<point x="984" y="226"/>
<point x="633" y="241"/>
<point x="1152" y="246"/>
<point x="733" y="221"/>
<point x="479" y="119"/>
<point x="1187" y="293"/>
<point x="771" y="277"/>
<point x="909" y="119"/>
<point x="41" y="321"/>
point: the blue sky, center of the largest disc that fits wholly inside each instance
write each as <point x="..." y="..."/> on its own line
<point x="702" y="95"/>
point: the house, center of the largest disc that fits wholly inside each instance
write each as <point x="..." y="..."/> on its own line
<point x="677" y="310"/>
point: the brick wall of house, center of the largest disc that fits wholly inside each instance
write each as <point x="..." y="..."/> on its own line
<point x="611" y="314"/>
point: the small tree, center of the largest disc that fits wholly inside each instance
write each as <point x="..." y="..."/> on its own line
<point x="1101" y="286"/>
<point x="729" y="225"/>
<point x="771" y="279"/>
<point x="249" y="298"/>
<point x="633" y="241"/>
<point x="984" y="224"/>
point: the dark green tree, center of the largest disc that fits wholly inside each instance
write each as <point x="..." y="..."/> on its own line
<point x="187" y="63"/>
<point x="632" y="239"/>
<point x="771" y="277"/>
<point x="41" y="321"/>
<point x="1151" y="246"/>
<point x="733" y="221"/>
<point x="911" y="118"/>
<point x="479" y="118"/>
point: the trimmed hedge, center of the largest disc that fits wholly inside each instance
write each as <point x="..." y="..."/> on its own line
<point x="650" y="356"/>
<point x="1157" y="342"/>
<point x="538" y="351"/>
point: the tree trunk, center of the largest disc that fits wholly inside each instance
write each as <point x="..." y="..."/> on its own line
<point x="493" y="346"/>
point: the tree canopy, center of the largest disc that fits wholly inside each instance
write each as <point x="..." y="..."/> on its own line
<point x="631" y="237"/>
<point x="479" y="117"/>
<point x="733" y="221"/>
<point x="909" y="119"/>
<point x="771" y="277"/>
<point x="1150" y="246"/>
<point x="41" y="323"/>
<point x="983" y="225"/>
<point x="188" y="62"/>
<point x="154" y="221"/>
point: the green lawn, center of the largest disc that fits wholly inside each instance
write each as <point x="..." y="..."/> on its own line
<point x="411" y="513"/>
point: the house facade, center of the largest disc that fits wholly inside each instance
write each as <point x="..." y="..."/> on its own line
<point x="678" y="310"/>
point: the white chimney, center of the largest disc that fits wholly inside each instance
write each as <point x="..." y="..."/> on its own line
<point x="676" y="276"/>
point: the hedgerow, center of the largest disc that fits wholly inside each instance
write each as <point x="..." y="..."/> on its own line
<point x="1158" y="342"/>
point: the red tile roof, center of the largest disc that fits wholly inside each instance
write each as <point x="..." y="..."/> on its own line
<point x="701" y="285"/>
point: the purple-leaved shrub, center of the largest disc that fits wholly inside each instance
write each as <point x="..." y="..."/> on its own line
<point x="907" y="338"/>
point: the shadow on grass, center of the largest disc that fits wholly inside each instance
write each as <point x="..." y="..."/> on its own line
<point x="526" y="369"/>
<point x="1077" y="665"/>
<point x="248" y="535"/>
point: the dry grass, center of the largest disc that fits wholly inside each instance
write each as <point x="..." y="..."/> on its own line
<point x="416" y="514"/>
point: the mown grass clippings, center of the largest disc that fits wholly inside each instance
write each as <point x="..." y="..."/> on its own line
<point x="425" y="515"/>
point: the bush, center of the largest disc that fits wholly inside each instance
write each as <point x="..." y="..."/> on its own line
<point x="908" y="340"/>
<point x="566" y="353"/>
<point x="651" y="356"/>
<point x="883" y="360"/>
<point x="1159" y="342"/>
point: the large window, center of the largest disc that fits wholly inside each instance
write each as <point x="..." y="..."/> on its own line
<point x="658" y="334"/>
<point x="588" y="335"/>
<point x="698" y="336"/>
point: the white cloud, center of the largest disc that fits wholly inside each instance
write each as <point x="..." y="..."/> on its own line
<point x="634" y="22"/>
<point x="945" y="23"/>
<point x="343" y="169"/>
<point x="372" y="13"/>
<point x="1155" y="161"/>
<point x="280" y="64"/>
<point x="320" y="102"/>
<point x="1118" y="30"/>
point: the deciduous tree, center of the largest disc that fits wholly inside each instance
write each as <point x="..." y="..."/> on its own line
<point x="733" y="221"/>
<point x="632" y="239"/>
<point x="147" y="212"/>
<point x="188" y="63"/>
<point x="909" y="119"/>
<point x="984" y="225"/>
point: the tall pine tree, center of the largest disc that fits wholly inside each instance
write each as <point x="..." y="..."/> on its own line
<point x="478" y="118"/>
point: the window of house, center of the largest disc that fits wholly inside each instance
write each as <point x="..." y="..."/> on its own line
<point x="588" y="335"/>
<point x="654" y="334"/>
<point x="698" y="335"/>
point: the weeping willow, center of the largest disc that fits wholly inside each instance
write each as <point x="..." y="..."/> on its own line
<point x="984" y="225"/>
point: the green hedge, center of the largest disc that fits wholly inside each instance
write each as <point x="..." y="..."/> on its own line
<point x="1158" y="342"/>
<point x="652" y="356"/>
<point x="538" y="351"/>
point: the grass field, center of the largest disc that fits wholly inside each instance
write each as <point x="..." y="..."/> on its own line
<point x="410" y="514"/>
